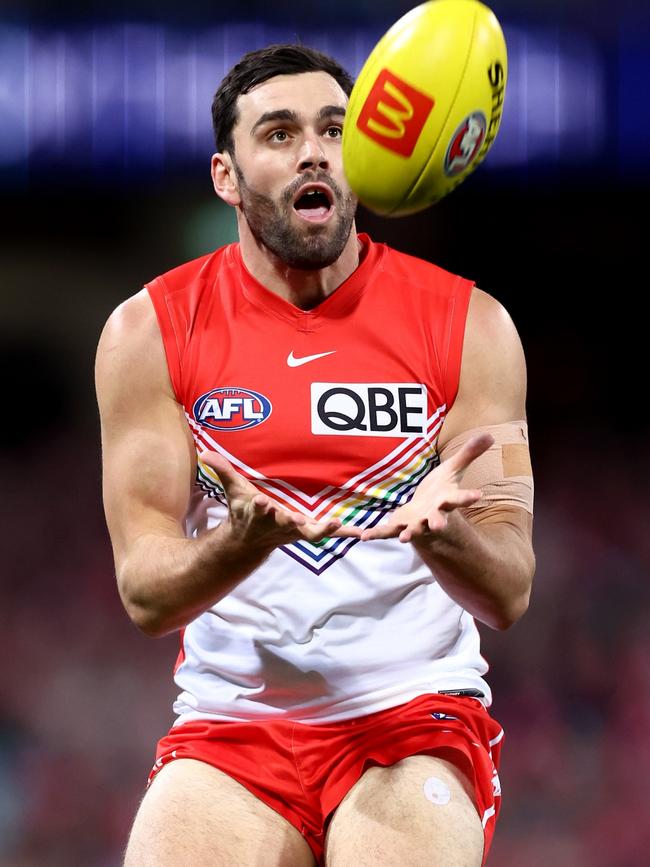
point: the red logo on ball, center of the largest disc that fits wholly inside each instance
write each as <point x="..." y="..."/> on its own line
<point x="394" y="113"/>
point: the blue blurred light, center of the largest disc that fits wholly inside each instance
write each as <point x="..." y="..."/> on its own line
<point x="14" y="96"/>
<point x="137" y="96"/>
<point x="634" y="107"/>
<point x="555" y="102"/>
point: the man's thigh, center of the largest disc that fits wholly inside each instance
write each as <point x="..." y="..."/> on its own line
<point x="419" y="811"/>
<point x="194" y="814"/>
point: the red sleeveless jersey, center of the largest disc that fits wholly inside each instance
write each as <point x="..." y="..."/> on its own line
<point x="333" y="411"/>
<point x="244" y="364"/>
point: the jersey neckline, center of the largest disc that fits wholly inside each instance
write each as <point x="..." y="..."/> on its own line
<point x="341" y="299"/>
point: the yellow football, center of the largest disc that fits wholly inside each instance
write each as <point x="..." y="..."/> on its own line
<point x="426" y="106"/>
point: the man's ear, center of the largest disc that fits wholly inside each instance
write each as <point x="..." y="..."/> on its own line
<point x="224" y="178"/>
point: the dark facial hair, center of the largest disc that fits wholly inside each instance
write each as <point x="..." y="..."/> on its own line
<point x="316" y="246"/>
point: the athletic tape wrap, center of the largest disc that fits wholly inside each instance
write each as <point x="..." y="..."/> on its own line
<point x="504" y="472"/>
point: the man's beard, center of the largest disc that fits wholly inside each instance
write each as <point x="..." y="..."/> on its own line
<point x="271" y="225"/>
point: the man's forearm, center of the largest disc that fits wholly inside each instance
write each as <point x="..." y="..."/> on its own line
<point x="166" y="582"/>
<point x="486" y="568"/>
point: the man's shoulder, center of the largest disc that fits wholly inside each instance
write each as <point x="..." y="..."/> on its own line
<point x="202" y="267"/>
<point x="420" y="271"/>
<point x="133" y="321"/>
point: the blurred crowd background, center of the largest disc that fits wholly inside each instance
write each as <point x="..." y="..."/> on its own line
<point x="105" y="142"/>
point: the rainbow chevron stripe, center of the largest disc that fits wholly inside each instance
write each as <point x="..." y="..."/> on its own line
<point x="361" y="501"/>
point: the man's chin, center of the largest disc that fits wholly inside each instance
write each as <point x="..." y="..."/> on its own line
<point x="315" y="255"/>
<point x="313" y="246"/>
<point x="314" y="227"/>
<point x="315" y="262"/>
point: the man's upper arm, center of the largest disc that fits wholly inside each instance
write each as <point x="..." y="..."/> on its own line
<point x="491" y="391"/>
<point x="148" y="456"/>
<point x="492" y="387"/>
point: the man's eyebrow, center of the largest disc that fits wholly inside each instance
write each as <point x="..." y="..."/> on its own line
<point x="278" y="114"/>
<point x="329" y="110"/>
<point x="287" y="115"/>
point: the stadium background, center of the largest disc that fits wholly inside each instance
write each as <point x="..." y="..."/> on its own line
<point x="104" y="150"/>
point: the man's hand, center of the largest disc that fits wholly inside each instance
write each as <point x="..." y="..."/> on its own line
<point x="438" y="494"/>
<point x="259" y="520"/>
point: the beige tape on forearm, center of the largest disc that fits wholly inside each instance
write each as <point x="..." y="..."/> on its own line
<point x="504" y="472"/>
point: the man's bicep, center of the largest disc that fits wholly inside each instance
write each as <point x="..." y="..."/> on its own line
<point x="147" y="476"/>
<point x="492" y="386"/>
<point x="147" y="451"/>
<point x="492" y="399"/>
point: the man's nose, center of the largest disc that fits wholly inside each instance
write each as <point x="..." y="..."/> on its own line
<point x="311" y="154"/>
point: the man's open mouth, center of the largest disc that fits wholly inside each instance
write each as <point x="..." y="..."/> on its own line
<point x="314" y="202"/>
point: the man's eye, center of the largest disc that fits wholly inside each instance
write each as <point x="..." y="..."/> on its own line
<point x="278" y="135"/>
<point x="334" y="131"/>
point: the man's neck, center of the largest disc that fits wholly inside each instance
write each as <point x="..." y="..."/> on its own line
<point x="303" y="289"/>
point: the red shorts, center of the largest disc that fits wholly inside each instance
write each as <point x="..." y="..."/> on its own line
<point x="303" y="771"/>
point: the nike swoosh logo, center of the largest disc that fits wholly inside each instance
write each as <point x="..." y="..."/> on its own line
<point x="292" y="361"/>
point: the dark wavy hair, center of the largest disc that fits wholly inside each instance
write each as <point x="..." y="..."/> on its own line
<point x="258" y="66"/>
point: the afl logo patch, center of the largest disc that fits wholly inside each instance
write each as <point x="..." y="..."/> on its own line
<point x="231" y="408"/>
<point x="465" y="144"/>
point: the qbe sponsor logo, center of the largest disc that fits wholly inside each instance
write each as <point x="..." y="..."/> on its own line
<point x="231" y="408"/>
<point x="385" y="409"/>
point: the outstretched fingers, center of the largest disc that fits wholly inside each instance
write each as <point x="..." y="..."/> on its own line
<point x="472" y="449"/>
<point x="282" y="517"/>
<point x="346" y="532"/>
<point x="232" y="481"/>
<point x="460" y="498"/>
<point x="384" y="531"/>
<point x="316" y="531"/>
<point x="261" y="504"/>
